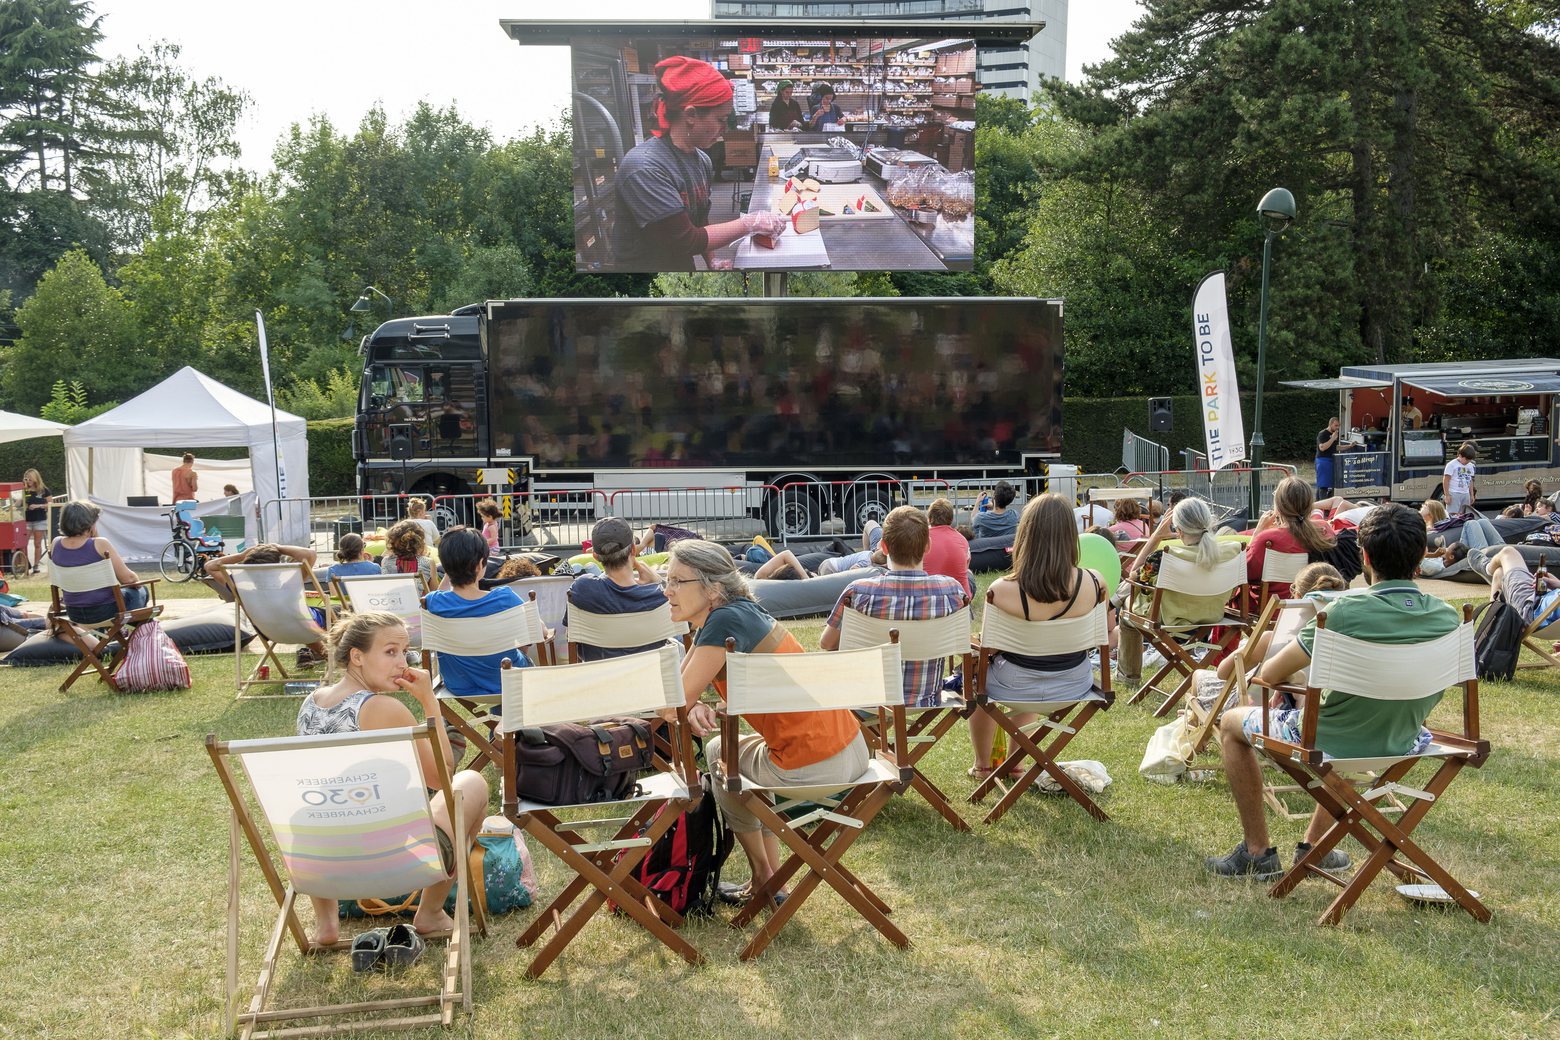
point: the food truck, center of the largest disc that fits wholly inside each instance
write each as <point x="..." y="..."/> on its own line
<point x="1403" y="423"/>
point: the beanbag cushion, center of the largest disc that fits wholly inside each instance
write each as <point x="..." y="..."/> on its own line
<point x="806" y="597"/>
<point x="210" y="632"/>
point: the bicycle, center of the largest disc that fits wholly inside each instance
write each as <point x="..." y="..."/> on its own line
<point x="191" y="548"/>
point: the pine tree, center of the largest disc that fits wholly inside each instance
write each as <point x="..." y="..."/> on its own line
<point x="46" y="57"/>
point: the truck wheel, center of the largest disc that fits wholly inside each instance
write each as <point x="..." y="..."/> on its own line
<point x="795" y="512"/>
<point x="866" y="502"/>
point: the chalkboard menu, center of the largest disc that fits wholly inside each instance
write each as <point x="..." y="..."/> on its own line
<point x="1506" y="449"/>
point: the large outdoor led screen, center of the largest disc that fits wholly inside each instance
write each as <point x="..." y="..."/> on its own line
<point x="847" y="382"/>
<point x="844" y="153"/>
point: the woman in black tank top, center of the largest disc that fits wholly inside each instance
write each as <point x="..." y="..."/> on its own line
<point x="1047" y="584"/>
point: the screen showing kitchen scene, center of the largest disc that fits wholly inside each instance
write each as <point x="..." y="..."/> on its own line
<point x="843" y="153"/>
<point x="848" y="382"/>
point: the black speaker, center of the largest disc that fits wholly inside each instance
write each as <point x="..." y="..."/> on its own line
<point x="1160" y="418"/>
<point x="400" y="443"/>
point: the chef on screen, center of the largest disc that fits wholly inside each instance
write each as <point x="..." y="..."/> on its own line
<point x="663" y="185"/>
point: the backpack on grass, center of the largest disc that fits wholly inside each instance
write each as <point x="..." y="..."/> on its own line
<point x="1497" y="642"/>
<point x="683" y="867"/>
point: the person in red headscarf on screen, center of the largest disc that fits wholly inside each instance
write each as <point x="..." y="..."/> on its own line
<point x="663" y="185"/>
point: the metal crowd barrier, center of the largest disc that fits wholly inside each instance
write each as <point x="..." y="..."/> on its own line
<point x="1141" y="455"/>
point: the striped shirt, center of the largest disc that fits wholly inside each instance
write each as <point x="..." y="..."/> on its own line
<point x="910" y="595"/>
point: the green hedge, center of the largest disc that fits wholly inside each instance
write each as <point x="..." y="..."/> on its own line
<point x="45" y="454"/>
<point x="1091" y="426"/>
<point x="331" y="469"/>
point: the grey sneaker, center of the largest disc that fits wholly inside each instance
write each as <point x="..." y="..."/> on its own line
<point x="1241" y="863"/>
<point x="1337" y="859"/>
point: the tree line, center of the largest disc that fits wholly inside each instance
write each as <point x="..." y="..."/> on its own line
<point x="1419" y="139"/>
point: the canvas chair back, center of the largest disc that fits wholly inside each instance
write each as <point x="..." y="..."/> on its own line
<point x="349" y="812"/>
<point x="1003" y="631"/>
<point x="1386" y="672"/>
<point x="1283" y="567"/>
<point x="763" y="684"/>
<point x="635" y="684"/>
<point x="398" y="594"/>
<point x="88" y="577"/>
<point x="930" y="639"/>
<point x="498" y="633"/>
<point x="272" y="596"/>
<point x="1185" y="576"/>
<point x="617" y="631"/>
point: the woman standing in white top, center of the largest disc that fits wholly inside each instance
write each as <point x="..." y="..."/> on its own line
<point x="1457" y="481"/>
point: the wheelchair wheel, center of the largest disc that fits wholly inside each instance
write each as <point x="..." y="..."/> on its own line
<point x="178" y="561"/>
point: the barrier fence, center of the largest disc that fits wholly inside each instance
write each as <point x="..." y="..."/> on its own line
<point x="1141" y="455"/>
<point x="795" y="511"/>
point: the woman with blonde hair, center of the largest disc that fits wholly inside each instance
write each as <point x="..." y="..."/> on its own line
<point x="706" y="590"/>
<point x="370" y="651"/>
<point x="417" y="513"/>
<point x="37" y="516"/>
<point x="1045" y="584"/>
<point x="1288" y="528"/>
<point x="1198" y="544"/>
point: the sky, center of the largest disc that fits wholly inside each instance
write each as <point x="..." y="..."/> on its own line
<point x="339" y="57"/>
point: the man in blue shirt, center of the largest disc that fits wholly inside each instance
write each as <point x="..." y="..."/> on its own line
<point x="628" y="585"/>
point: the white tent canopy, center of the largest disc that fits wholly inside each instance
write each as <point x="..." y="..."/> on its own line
<point x="14" y="427"/>
<point x="105" y="457"/>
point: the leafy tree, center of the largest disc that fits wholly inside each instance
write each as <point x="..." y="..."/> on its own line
<point x="334" y="398"/>
<point x="46" y="54"/>
<point x="68" y="403"/>
<point x="75" y="326"/>
<point x="173" y="138"/>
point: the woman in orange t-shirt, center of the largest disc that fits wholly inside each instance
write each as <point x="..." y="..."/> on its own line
<point x="706" y="590"/>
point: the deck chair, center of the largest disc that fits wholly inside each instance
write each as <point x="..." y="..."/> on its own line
<point x="399" y="594"/>
<point x="831" y="816"/>
<point x="936" y="639"/>
<point x="1000" y="631"/>
<point x="1278" y="568"/>
<point x="622" y="631"/>
<point x="518" y="628"/>
<point x="275" y="599"/>
<point x="332" y="855"/>
<point x="1541" y="633"/>
<point x="93" y="639"/>
<point x="1178" y="643"/>
<point x="551" y="593"/>
<point x="1380" y="672"/>
<point x="603" y="867"/>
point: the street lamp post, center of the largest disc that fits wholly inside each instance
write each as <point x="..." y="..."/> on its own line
<point x="1277" y="212"/>
<point x="364" y="303"/>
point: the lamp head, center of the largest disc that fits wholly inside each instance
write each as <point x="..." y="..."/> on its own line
<point x="1277" y="209"/>
<point x="361" y="305"/>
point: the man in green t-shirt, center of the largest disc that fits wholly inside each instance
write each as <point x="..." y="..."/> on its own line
<point x="1392" y="610"/>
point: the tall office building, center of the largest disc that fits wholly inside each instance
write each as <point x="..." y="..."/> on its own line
<point x="1015" y="72"/>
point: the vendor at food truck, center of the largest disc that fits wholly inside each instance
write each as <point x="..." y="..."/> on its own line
<point x="786" y="112"/>
<point x="663" y="184"/>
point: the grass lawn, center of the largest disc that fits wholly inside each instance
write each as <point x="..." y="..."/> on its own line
<point x="114" y="856"/>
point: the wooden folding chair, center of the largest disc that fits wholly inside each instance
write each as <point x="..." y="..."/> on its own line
<point x="832" y="816"/>
<point x="1177" y="643"/>
<point x="926" y="641"/>
<point x="551" y="592"/>
<point x="1000" y="631"/>
<point x="350" y="818"/>
<point x="638" y="684"/>
<point x="275" y="599"/>
<point x="622" y="631"/>
<point x="517" y="628"/>
<point x="92" y="639"/>
<point x="398" y="594"/>
<point x="1278" y="568"/>
<point x="1379" y="671"/>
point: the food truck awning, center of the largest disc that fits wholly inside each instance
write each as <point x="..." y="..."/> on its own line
<point x="1487" y="386"/>
<point x="1339" y="383"/>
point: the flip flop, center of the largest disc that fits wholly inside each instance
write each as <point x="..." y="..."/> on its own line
<point x="982" y="772"/>
<point x="402" y="946"/>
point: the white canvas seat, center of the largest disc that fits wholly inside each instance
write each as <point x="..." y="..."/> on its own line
<point x="1177" y="643"/>
<point x="1064" y="719"/>
<point x="1378" y="671"/>
<point x="835" y="815"/>
<point x="933" y="639"/>
<point x="637" y="684"/>
<point x="517" y="628"/>
<point x="112" y="631"/>
<point x="621" y="631"/>
<point x="1278" y="568"/>
<point x="372" y="836"/>
<point x="551" y="593"/>
<point x="275" y="599"/>
<point x="398" y="594"/>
